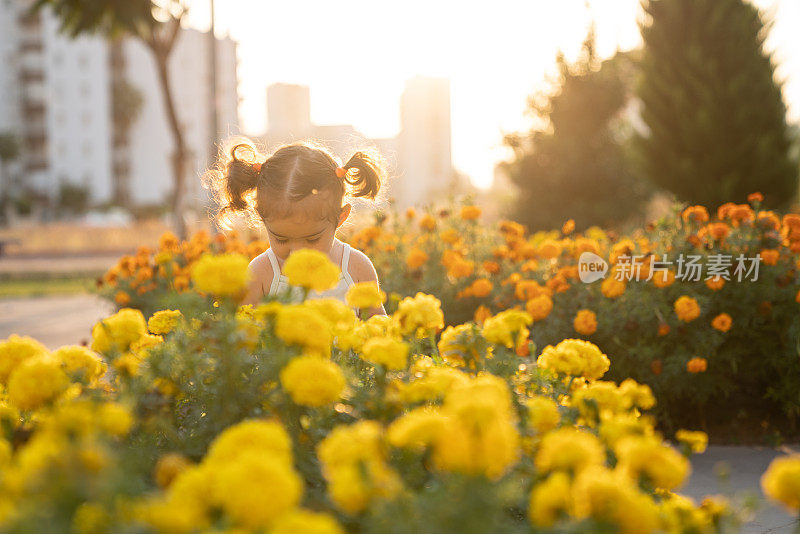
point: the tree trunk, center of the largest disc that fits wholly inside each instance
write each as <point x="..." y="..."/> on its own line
<point x="181" y="153"/>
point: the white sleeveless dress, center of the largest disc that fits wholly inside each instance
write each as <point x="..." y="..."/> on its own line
<point x="281" y="282"/>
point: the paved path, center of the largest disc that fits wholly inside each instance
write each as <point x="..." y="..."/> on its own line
<point x="54" y="321"/>
<point x="744" y="466"/>
<point x="56" y="265"/>
<point x="57" y="321"/>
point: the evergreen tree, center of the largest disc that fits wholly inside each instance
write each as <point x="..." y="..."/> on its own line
<point x="715" y="117"/>
<point x="575" y="164"/>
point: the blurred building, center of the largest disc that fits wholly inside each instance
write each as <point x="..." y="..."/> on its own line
<point x="143" y="156"/>
<point x="418" y="159"/>
<point x="57" y="98"/>
<point x="56" y="102"/>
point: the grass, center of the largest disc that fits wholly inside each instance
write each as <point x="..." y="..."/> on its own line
<point x="46" y="286"/>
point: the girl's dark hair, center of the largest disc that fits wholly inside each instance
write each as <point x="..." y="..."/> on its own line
<point x="262" y="187"/>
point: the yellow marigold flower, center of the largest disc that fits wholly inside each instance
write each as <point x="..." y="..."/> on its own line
<point x="612" y="288"/>
<point x="569" y="449"/>
<point x="615" y="426"/>
<point x="421" y="314"/>
<point x="256" y="489"/>
<point x="90" y="518"/>
<point x="417" y="429"/>
<point x="119" y="331"/>
<point x="352" y="443"/>
<point x="411" y="213"/>
<point x="696" y="441"/>
<point x="697" y="365"/>
<point x="365" y="295"/>
<point x="221" y="275"/>
<point x="36" y="381"/>
<point x="585" y="322"/>
<point x="575" y="357"/>
<point x="253" y="435"/>
<point x="687" y="309"/>
<point x="312" y="381"/>
<point x="114" y="418"/>
<point x="386" y="351"/>
<point x="306" y="522"/>
<point x="164" y="321"/>
<point x="663" y="278"/>
<point x="434" y="385"/>
<point x="646" y="456"/>
<point x="543" y="415"/>
<point x="416" y="258"/>
<point x="539" y="307"/>
<point x="609" y="497"/>
<point x="722" y="322"/>
<point x="311" y="269"/>
<point x="781" y="482"/>
<point x="550" y="500"/>
<point x="82" y="361"/>
<point x="638" y="395"/>
<point x="15" y="350"/>
<point x="568" y="227"/>
<point x="302" y="325"/>
<point x="470" y="213"/>
<point x="501" y="328"/>
<point x="168" y="467"/>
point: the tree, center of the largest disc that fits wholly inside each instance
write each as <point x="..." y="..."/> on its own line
<point x="126" y="105"/>
<point x="157" y="24"/>
<point x="715" y="116"/>
<point x="575" y="164"/>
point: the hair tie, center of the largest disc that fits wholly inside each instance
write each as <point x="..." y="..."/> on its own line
<point x="257" y="167"/>
<point x="340" y="172"/>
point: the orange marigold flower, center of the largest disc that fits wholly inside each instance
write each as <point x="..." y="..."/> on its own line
<point x="491" y="267"/>
<point x="181" y="283"/>
<point x="770" y="256"/>
<point x="722" y="322"/>
<point x="663" y="278"/>
<point x="450" y="236"/>
<point x="428" y="223"/>
<point x="511" y="229"/>
<point x="663" y="329"/>
<point x="612" y="288"/>
<point x="755" y="197"/>
<point x="697" y="365"/>
<point x="792" y="221"/>
<point x="797" y="297"/>
<point x="482" y="287"/>
<point x="716" y="283"/>
<point x="724" y="211"/>
<point x="122" y="298"/>
<point x="539" y="307"/>
<point x="687" y="309"/>
<point x="568" y="227"/>
<point x="549" y="249"/>
<point x="584" y="244"/>
<point x="719" y="230"/>
<point x="585" y="322"/>
<point x="481" y="314"/>
<point x="169" y="242"/>
<point x="410" y="213"/>
<point x="416" y="258"/>
<point x="741" y="213"/>
<point x="470" y="213"/>
<point x="656" y="367"/>
<point x="528" y="289"/>
<point x="698" y="214"/>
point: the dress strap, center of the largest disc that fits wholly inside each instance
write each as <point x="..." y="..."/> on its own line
<point x="346" y="263"/>
<point x="276" y="271"/>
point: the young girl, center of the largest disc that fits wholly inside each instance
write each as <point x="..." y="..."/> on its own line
<point x="300" y="194"/>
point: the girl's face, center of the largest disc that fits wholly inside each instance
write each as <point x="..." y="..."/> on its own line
<point x="298" y="230"/>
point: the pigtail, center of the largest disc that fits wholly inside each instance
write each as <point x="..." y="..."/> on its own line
<point x="241" y="176"/>
<point x="233" y="183"/>
<point x="364" y="173"/>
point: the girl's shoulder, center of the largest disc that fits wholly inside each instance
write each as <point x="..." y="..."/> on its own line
<point x="261" y="274"/>
<point x="261" y="266"/>
<point x="360" y="267"/>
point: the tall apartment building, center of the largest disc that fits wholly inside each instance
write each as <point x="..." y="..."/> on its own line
<point x="56" y="97"/>
<point x="419" y="158"/>
<point x="56" y="102"/>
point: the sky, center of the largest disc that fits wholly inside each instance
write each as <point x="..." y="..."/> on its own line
<point x="357" y="54"/>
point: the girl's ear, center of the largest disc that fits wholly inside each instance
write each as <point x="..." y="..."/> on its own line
<point x="344" y="214"/>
